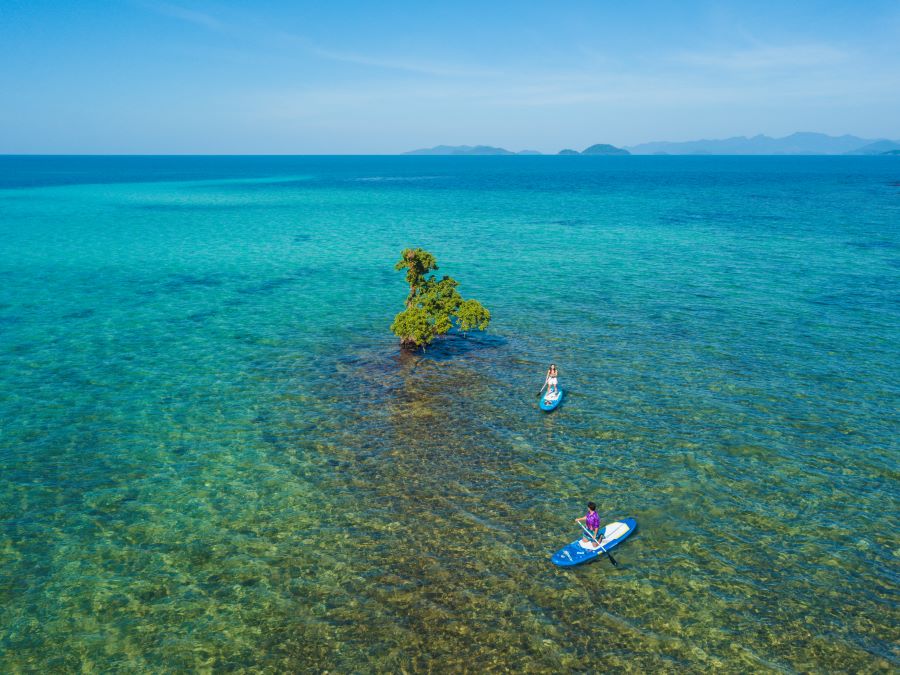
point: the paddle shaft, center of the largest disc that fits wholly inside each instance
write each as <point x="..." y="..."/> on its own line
<point x="608" y="554"/>
<point x="545" y="384"/>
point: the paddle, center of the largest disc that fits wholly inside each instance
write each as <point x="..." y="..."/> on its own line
<point x="608" y="554"/>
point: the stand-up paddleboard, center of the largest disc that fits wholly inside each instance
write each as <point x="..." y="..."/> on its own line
<point x="550" y="401"/>
<point x="577" y="553"/>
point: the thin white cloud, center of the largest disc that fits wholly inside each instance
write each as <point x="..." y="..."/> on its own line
<point x="766" y="57"/>
<point x="536" y="90"/>
<point x="266" y="35"/>
<point x="409" y="66"/>
<point x="184" y="14"/>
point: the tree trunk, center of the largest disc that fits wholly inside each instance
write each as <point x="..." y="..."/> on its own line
<point x="409" y="343"/>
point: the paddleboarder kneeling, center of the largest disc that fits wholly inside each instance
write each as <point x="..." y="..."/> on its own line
<point x="592" y="522"/>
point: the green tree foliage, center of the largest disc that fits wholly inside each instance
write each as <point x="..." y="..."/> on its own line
<point x="471" y="314"/>
<point x="433" y="306"/>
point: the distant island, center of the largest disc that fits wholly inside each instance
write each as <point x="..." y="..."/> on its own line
<point x="604" y="149"/>
<point x="598" y="149"/>
<point x="460" y="150"/>
<point x="800" y="143"/>
<point x="877" y="148"/>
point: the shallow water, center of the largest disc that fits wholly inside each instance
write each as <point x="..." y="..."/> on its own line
<point x="214" y="457"/>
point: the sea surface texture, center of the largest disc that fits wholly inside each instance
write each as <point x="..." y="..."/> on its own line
<point x="213" y="455"/>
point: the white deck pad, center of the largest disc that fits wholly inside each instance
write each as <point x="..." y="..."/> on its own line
<point x="610" y="532"/>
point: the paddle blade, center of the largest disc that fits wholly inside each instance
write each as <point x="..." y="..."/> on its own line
<point x="611" y="559"/>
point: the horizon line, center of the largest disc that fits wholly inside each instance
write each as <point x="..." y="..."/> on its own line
<point x="414" y="155"/>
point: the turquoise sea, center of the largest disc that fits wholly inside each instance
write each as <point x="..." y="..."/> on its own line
<point x="213" y="456"/>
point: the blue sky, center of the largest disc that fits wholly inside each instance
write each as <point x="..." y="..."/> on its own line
<point x="147" y="76"/>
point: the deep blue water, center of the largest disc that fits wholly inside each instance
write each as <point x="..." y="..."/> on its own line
<point x="213" y="454"/>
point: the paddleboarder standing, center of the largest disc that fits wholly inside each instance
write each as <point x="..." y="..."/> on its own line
<point x="552" y="380"/>
<point x="592" y="522"/>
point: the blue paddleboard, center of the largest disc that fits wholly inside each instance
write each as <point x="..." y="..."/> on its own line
<point x="576" y="553"/>
<point x="550" y="401"/>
